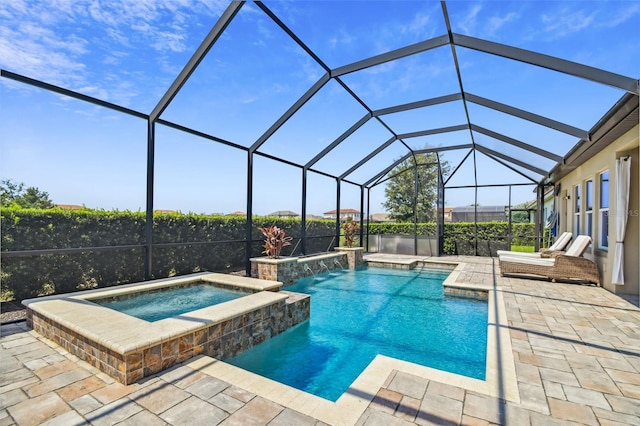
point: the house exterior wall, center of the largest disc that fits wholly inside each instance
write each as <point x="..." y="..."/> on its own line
<point x="627" y="144"/>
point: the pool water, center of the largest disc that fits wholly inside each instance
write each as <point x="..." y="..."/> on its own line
<point x="356" y="315"/>
<point x="158" y="305"/>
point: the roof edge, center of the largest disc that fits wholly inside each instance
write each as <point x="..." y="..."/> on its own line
<point x="622" y="117"/>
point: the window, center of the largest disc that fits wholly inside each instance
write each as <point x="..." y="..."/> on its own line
<point x="576" y="210"/>
<point x="603" y="241"/>
<point x="588" y="208"/>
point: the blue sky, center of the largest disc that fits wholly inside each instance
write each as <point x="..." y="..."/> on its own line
<point x="129" y="53"/>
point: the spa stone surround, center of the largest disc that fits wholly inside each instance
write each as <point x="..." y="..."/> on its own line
<point x="128" y="349"/>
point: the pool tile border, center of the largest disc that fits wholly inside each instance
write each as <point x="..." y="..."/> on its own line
<point x="501" y="381"/>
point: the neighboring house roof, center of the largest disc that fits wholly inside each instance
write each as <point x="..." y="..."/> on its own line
<point x="236" y="213"/>
<point x="281" y="213"/>
<point x="343" y="211"/>
<point x="380" y="217"/>
<point x="483" y="209"/>
<point x="70" y="206"/>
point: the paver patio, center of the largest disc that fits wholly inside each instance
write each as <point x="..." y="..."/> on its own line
<point x="576" y="350"/>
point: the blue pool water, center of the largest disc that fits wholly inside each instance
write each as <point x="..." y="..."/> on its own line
<point x="356" y="315"/>
<point x="154" y="306"/>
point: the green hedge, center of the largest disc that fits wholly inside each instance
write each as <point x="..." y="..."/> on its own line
<point x="31" y="229"/>
<point x="459" y="237"/>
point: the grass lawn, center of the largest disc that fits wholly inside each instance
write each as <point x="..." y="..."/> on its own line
<point x="526" y="249"/>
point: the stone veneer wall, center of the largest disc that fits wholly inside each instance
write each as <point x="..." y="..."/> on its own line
<point x="288" y="270"/>
<point x="466" y="292"/>
<point x="220" y="340"/>
<point x="355" y="255"/>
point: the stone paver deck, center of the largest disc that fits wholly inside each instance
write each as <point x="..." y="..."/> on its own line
<point x="576" y="350"/>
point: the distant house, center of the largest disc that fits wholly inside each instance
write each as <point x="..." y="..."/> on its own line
<point x="447" y="214"/>
<point x="236" y="213"/>
<point x="286" y="214"/>
<point x="314" y="217"/>
<point x="380" y="217"/>
<point x="69" y="207"/>
<point x="484" y="214"/>
<point x="344" y="213"/>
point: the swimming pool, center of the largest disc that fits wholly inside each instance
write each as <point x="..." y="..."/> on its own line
<point x="356" y="315"/>
<point x="169" y="302"/>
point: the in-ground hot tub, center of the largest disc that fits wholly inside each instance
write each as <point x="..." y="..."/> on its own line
<point x="129" y="348"/>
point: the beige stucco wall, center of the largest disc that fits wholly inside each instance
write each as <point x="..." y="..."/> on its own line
<point x="627" y="144"/>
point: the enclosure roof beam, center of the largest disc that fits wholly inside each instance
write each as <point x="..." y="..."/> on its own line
<point x="511" y="168"/>
<point x="385" y="171"/>
<point x="459" y="165"/>
<point x="401" y="173"/>
<point x="491" y="185"/>
<point x="435" y="131"/>
<point x="292" y="110"/>
<point x="336" y="142"/>
<point x="369" y="157"/>
<point x="529" y="116"/>
<point x="418" y="104"/>
<point x="70" y="93"/>
<point x="447" y="22"/>
<point x="403" y="52"/>
<point x="200" y="53"/>
<point x="527" y="166"/>
<point x="291" y="34"/>
<point x="515" y="142"/>
<point x="200" y="134"/>
<point x="550" y="62"/>
<point x="443" y="148"/>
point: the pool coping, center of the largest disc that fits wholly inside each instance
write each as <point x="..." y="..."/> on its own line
<point x="124" y="334"/>
<point x="500" y="376"/>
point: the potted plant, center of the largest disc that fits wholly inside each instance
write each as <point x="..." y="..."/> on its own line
<point x="350" y="228"/>
<point x="274" y="240"/>
<point x="354" y="254"/>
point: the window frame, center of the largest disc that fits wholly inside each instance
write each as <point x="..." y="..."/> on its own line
<point x="603" y="211"/>
<point x="588" y="207"/>
<point x="577" y="214"/>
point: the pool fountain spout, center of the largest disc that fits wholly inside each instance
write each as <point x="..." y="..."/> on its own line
<point x="337" y="262"/>
<point x="307" y="268"/>
<point x="323" y="265"/>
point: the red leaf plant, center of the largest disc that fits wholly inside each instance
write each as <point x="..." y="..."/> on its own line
<point x="274" y="240"/>
<point x="350" y="228"/>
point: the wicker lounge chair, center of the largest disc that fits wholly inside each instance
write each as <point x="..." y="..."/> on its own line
<point x="561" y="266"/>
<point x="561" y="242"/>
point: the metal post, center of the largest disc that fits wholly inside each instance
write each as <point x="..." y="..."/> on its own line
<point x="303" y="220"/>
<point x="475" y="220"/>
<point x="510" y="230"/>
<point x="415" y="207"/>
<point x="368" y="215"/>
<point x="440" y="215"/>
<point x="361" y="214"/>
<point x="249" y="226"/>
<point x="338" y="212"/>
<point x="148" y="226"/>
<point x="539" y="213"/>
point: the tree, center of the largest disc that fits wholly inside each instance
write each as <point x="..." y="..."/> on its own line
<point x="400" y="189"/>
<point x="12" y="192"/>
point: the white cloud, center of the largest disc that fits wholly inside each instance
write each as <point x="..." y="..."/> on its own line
<point x="496" y="22"/>
<point x="567" y="22"/>
<point x="468" y="23"/>
<point x="75" y="44"/>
